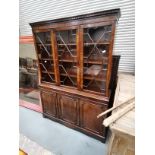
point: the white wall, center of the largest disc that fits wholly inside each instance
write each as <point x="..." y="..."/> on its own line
<point x="27" y="50"/>
<point x="38" y="10"/>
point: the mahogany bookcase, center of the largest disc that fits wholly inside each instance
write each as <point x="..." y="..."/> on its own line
<point x="75" y="69"/>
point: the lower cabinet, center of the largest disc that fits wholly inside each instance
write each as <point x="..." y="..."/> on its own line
<point x="88" y="116"/>
<point x="75" y="112"/>
<point x="49" y="102"/>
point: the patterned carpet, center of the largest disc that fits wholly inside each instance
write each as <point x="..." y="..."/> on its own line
<point x="30" y="147"/>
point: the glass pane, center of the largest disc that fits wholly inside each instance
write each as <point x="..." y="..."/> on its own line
<point x="96" y="50"/>
<point x="97" y="34"/>
<point x="66" y="42"/>
<point x="43" y="41"/>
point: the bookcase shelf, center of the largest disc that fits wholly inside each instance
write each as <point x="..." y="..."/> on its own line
<point x="48" y="72"/>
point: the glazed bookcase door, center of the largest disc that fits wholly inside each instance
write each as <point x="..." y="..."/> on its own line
<point x="96" y="43"/>
<point x="67" y="56"/>
<point x="44" y="49"/>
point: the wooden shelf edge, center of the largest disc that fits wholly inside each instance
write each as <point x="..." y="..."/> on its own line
<point x="47" y="72"/>
<point x="85" y="77"/>
<point x="100" y="43"/>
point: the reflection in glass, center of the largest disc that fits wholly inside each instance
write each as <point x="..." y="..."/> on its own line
<point x="96" y="50"/>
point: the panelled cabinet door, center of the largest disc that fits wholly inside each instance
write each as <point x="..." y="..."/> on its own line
<point x="49" y="102"/>
<point x="68" y="108"/>
<point x="88" y="116"/>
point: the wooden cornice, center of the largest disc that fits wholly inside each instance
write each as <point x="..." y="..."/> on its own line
<point x="113" y="12"/>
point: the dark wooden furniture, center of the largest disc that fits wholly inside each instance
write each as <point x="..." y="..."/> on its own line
<point x="75" y="68"/>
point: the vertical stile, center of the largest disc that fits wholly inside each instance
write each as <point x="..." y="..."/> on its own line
<point x="79" y="38"/>
<point x="55" y="57"/>
<point x="110" y="59"/>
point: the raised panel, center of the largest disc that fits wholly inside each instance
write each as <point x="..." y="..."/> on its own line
<point x="49" y="102"/>
<point x="88" y="116"/>
<point x="68" y="109"/>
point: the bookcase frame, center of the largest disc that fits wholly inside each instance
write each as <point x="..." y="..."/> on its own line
<point x="75" y="67"/>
